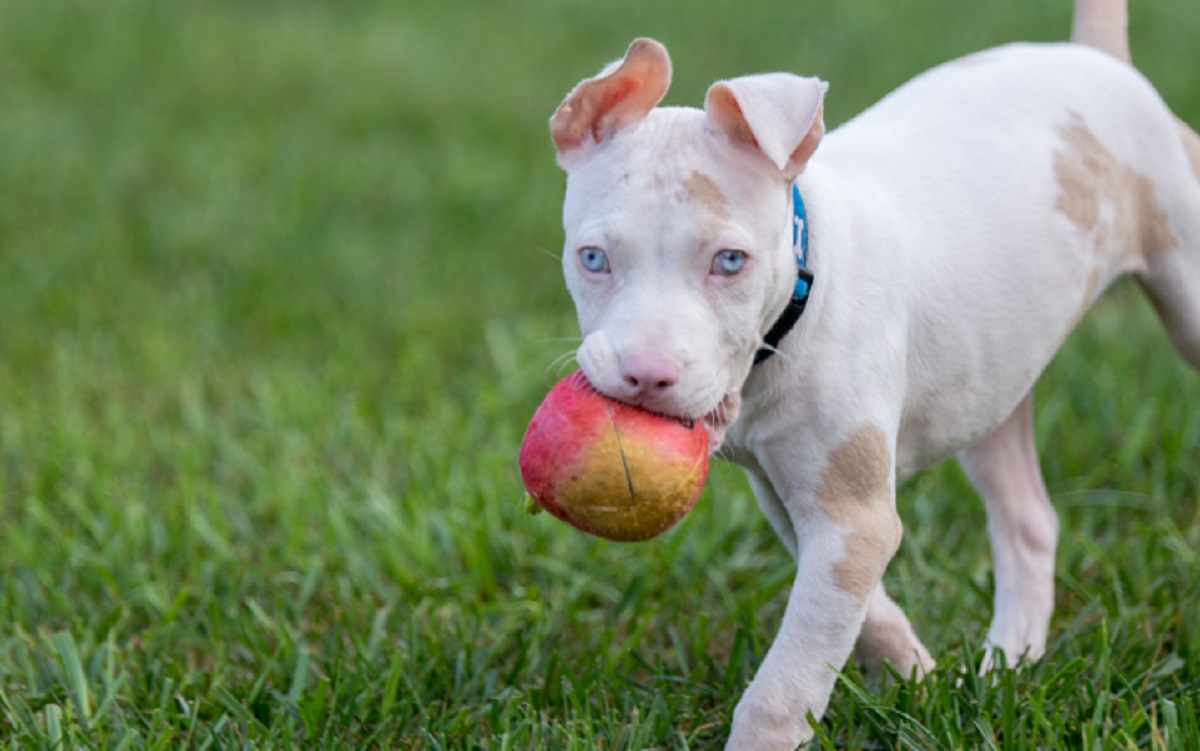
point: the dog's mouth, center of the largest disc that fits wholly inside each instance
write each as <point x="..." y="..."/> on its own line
<point x="723" y="415"/>
<point x="719" y="419"/>
<point x="716" y="421"/>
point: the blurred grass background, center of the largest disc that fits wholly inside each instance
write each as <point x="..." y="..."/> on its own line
<point x="278" y="293"/>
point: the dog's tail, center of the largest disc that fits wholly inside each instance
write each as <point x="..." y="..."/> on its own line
<point x="1102" y="24"/>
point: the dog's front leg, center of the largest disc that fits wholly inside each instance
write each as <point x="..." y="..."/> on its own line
<point x="847" y="530"/>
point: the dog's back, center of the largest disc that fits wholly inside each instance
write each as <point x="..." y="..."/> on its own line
<point x="1052" y="170"/>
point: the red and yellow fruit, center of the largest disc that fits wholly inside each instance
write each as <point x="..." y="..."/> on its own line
<point x="609" y="468"/>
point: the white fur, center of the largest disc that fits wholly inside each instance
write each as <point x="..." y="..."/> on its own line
<point x="946" y="278"/>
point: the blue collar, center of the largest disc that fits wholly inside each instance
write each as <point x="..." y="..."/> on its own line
<point x="803" y="286"/>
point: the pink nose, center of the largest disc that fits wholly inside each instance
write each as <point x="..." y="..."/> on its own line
<point x="647" y="375"/>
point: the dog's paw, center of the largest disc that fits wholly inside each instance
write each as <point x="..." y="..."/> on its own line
<point x="767" y="726"/>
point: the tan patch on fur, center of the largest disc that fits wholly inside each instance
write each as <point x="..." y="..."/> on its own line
<point x="856" y="493"/>
<point x="1191" y="144"/>
<point x="700" y="187"/>
<point x="865" y="557"/>
<point x="1101" y="195"/>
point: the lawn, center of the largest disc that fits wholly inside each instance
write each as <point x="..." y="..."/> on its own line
<point x="279" y="290"/>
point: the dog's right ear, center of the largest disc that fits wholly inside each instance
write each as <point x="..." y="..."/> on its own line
<point x="621" y="95"/>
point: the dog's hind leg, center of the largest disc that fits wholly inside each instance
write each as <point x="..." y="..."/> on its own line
<point x="1171" y="278"/>
<point x="1023" y="528"/>
<point x="887" y="635"/>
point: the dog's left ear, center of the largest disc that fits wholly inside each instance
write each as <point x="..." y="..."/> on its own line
<point x="776" y="114"/>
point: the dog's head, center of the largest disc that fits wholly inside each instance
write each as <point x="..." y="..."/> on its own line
<point x="678" y="250"/>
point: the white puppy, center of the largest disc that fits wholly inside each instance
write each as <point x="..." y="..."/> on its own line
<point x="954" y="233"/>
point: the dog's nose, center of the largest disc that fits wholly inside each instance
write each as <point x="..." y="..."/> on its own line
<point x="647" y="375"/>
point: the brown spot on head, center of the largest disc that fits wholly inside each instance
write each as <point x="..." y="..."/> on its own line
<point x="701" y="188"/>
<point x="856" y="494"/>
<point x="1191" y="144"/>
<point x="1107" y="199"/>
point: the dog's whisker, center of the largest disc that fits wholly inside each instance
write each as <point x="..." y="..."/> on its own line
<point x="562" y="362"/>
<point x="572" y="362"/>
<point x="774" y="351"/>
<point x="724" y="453"/>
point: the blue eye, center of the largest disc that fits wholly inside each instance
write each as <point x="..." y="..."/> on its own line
<point x="729" y="262"/>
<point x="594" y="260"/>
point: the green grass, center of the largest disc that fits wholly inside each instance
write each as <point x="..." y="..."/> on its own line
<point x="278" y="293"/>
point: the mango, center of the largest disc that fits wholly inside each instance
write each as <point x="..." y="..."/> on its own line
<point x="608" y="468"/>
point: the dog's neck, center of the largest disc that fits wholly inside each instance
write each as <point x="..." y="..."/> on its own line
<point x="804" y="281"/>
